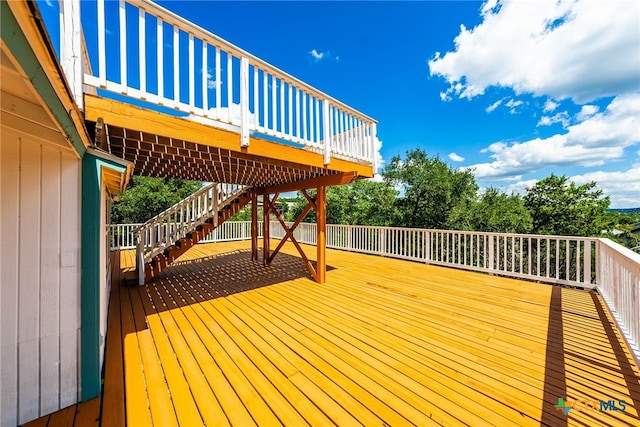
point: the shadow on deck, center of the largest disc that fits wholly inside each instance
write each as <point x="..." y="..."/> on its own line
<point x="224" y="274"/>
<point x="218" y="339"/>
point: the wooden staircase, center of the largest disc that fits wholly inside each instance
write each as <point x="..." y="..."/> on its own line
<point x="162" y="239"/>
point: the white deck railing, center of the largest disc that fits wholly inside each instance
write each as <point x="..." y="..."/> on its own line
<point x="173" y="224"/>
<point x="576" y="261"/>
<point x="123" y="236"/>
<point x="161" y="58"/>
<point x="553" y="259"/>
<point x="619" y="283"/>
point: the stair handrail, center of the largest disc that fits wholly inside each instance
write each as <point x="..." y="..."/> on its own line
<point x="175" y="222"/>
<point x="177" y="205"/>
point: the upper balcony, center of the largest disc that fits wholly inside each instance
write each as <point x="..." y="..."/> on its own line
<point x="179" y="101"/>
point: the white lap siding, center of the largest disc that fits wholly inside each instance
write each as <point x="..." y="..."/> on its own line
<point x="40" y="196"/>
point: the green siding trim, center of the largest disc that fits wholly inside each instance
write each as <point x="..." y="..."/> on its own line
<point x="90" y="289"/>
<point x="15" y="39"/>
<point x="90" y="281"/>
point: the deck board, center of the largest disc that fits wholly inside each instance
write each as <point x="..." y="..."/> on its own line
<point x="401" y="343"/>
<point x="218" y="339"/>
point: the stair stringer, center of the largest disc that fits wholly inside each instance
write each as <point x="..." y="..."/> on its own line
<point x="151" y="260"/>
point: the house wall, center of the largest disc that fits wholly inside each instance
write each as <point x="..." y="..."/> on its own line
<point x="40" y="236"/>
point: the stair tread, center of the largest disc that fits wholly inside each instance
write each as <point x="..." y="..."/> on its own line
<point x="193" y="236"/>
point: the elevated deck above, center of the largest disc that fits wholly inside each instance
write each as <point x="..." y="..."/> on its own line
<point x="178" y="101"/>
<point x="163" y="145"/>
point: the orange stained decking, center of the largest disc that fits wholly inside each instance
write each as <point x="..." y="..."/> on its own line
<point x="218" y="339"/>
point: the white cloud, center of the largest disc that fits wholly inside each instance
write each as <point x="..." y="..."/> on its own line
<point x="455" y="157"/>
<point x="623" y="186"/>
<point x="602" y="137"/>
<point x="211" y="81"/>
<point x="550" y="106"/>
<point x="562" y="117"/>
<point x="583" y="50"/>
<point x="521" y="187"/>
<point x="493" y="106"/>
<point x="586" y="112"/>
<point x="315" y="55"/>
<point x="49" y="3"/>
<point x="513" y="104"/>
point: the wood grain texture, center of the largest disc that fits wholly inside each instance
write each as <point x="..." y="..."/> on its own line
<point x="382" y="341"/>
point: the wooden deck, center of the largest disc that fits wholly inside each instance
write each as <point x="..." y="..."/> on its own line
<point x="218" y="339"/>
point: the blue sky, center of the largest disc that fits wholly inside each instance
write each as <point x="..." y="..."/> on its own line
<point x="515" y="90"/>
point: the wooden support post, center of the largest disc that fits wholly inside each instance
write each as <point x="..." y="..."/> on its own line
<point x="321" y="214"/>
<point x="254" y="226"/>
<point x="265" y="229"/>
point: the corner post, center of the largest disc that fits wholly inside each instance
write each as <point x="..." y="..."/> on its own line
<point x="326" y="119"/>
<point x="372" y="144"/>
<point x="71" y="48"/>
<point x="244" y="102"/>
<point x="321" y="213"/>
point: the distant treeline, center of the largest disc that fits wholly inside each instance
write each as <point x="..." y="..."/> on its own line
<point x="422" y="191"/>
<point x="625" y="210"/>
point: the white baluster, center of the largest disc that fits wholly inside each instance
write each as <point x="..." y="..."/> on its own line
<point x="176" y="66"/>
<point x="298" y="134"/>
<point x="160" y="55"/>
<point x="229" y="87"/>
<point x="312" y="119"/>
<point x="282" y="105"/>
<point x="218" y="84"/>
<point x="290" y="112"/>
<point x="192" y="74"/>
<point x="304" y="117"/>
<point x="265" y="100"/>
<point x="205" y="80"/>
<point x="123" y="46"/>
<point x="256" y="100"/>
<point x="142" y="53"/>
<point x="274" y="110"/>
<point x="102" y="60"/>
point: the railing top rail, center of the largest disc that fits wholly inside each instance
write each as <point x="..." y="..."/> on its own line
<point x="633" y="256"/>
<point x="194" y="29"/>
<point x="486" y="233"/>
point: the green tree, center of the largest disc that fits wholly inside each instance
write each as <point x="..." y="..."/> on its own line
<point x="363" y="202"/>
<point x="559" y="206"/>
<point x="494" y="211"/>
<point x="432" y="189"/>
<point x="147" y="197"/>
<point x="625" y="230"/>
